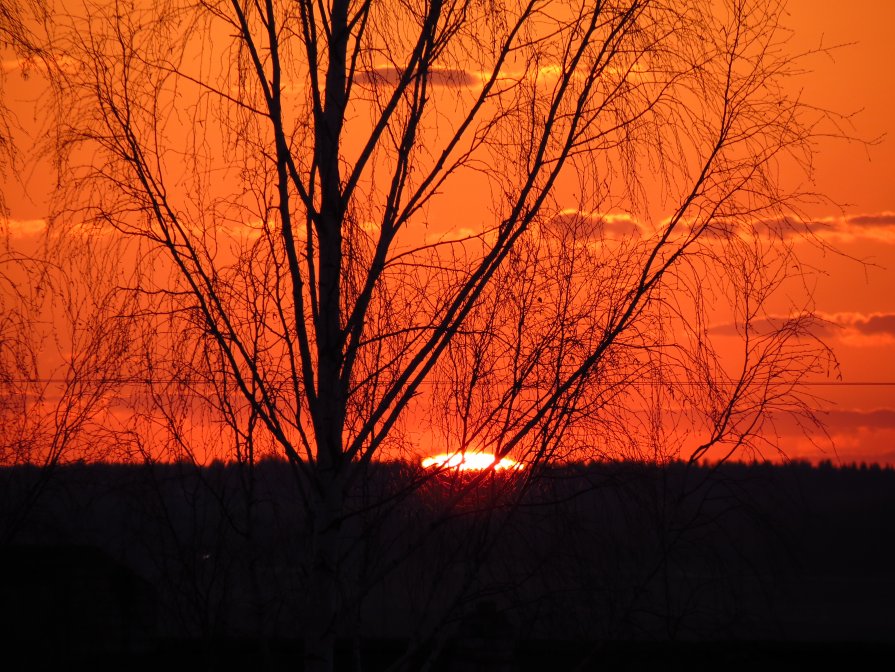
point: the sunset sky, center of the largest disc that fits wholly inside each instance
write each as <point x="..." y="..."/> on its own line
<point x="858" y="300"/>
<point x="855" y="293"/>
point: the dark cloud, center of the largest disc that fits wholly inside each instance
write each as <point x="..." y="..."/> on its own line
<point x="823" y="326"/>
<point x="597" y="226"/>
<point x="848" y="324"/>
<point x="721" y="228"/>
<point x="879" y="226"/>
<point x="766" y="325"/>
<point x="788" y="226"/>
<point x="839" y="425"/>
<point x="875" y="324"/>
<point x="881" y="220"/>
<point x="843" y="421"/>
<point x="446" y="77"/>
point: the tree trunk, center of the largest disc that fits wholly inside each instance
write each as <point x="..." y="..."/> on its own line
<point x="323" y="587"/>
<point x="329" y="409"/>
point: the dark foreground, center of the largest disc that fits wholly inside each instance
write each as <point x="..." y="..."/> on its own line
<point x="536" y="656"/>
<point x="590" y="567"/>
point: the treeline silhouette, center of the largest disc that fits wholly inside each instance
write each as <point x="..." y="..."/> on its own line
<point x="620" y="564"/>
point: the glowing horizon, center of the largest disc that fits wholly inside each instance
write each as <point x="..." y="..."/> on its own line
<point x="470" y="461"/>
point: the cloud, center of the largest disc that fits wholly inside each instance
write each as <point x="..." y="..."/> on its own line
<point x="873" y="323"/>
<point x="771" y="323"/>
<point x="844" y="228"/>
<point x="597" y="225"/>
<point x="24" y="228"/>
<point x="460" y="78"/>
<point x="881" y="323"/>
<point x="884" y="219"/>
<point x="879" y="226"/>
<point x="784" y="227"/>
<point x="845" y="446"/>
<point x="848" y="435"/>
<point x="844" y="436"/>
<point x="848" y="420"/>
<point x="856" y="329"/>
<point x="859" y="329"/>
<point x="456" y="78"/>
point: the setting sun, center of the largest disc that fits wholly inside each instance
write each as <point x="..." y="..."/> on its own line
<point x="471" y="462"/>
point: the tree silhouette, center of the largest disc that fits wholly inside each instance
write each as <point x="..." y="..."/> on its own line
<point x="64" y="348"/>
<point x="490" y="226"/>
<point x="63" y="341"/>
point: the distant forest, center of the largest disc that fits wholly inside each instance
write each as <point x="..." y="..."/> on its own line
<point x="109" y="560"/>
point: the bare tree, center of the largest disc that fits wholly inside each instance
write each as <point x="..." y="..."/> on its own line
<point x="502" y="226"/>
<point x="63" y="342"/>
<point x="65" y="349"/>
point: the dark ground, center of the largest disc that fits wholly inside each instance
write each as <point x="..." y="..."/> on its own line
<point x="619" y="567"/>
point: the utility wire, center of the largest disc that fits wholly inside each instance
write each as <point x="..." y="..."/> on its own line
<point x="172" y="381"/>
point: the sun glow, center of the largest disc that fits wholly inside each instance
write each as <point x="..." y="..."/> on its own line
<point x="470" y="462"/>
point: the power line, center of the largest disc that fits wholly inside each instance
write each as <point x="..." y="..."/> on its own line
<point x="845" y="383"/>
<point x="683" y="383"/>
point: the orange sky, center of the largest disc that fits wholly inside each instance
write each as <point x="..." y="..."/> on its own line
<point x="857" y="79"/>
<point x="858" y="299"/>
